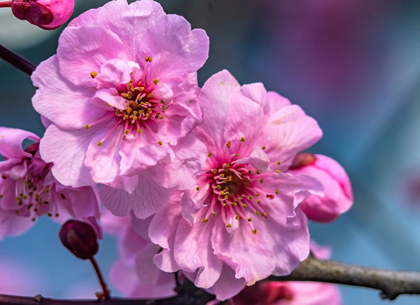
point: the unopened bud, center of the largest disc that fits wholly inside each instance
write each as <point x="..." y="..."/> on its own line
<point x="47" y="14"/>
<point x="303" y="159"/>
<point x="79" y="238"/>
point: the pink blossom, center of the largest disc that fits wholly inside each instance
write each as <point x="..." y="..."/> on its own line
<point x="130" y="74"/>
<point x="134" y="274"/>
<point x="242" y="221"/>
<point x="47" y="14"/>
<point x="338" y="193"/>
<point x="29" y="190"/>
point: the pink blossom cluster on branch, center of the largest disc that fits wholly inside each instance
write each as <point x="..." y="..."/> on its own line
<point x="211" y="182"/>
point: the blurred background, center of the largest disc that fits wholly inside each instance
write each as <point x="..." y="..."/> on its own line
<point x="353" y="65"/>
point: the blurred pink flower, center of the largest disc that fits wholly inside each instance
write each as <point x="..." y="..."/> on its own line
<point x="338" y="196"/>
<point x="242" y="221"/>
<point x="47" y="14"/>
<point x="134" y="274"/>
<point x="20" y="279"/>
<point x="29" y="190"/>
<point x="130" y="74"/>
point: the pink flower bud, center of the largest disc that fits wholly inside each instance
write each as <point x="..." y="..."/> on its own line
<point x="79" y="238"/>
<point x="47" y="14"/>
<point x="338" y="193"/>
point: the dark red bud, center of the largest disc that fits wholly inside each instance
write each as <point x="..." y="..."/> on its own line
<point x="32" y="11"/>
<point x="79" y="238"/>
<point x="303" y="159"/>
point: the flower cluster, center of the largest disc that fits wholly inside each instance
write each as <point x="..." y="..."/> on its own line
<point x="211" y="182"/>
<point x="28" y="189"/>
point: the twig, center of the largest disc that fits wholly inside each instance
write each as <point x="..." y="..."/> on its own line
<point x="16" y="61"/>
<point x="105" y="293"/>
<point x="390" y="283"/>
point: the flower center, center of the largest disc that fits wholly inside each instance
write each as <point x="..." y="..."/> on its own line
<point x="237" y="191"/>
<point x="141" y="105"/>
<point x="144" y="101"/>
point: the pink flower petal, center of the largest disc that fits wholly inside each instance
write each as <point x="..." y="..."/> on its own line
<point x="146" y="200"/>
<point x="87" y="18"/>
<point x="258" y="159"/>
<point x="52" y="98"/>
<point x="103" y="159"/>
<point x="338" y="194"/>
<point x="129" y="22"/>
<point x="137" y="156"/>
<point x="94" y="46"/>
<point x="244" y="121"/>
<point x="192" y="251"/>
<point x="227" y="286"/>
<point x="187" y="51"/>
<point x="11" y="141"/>
<point x="240" y="249"/>
<point x="214" y="99"/>
<point x="67" y="150"/>
<point x="274" y="102"/>
<point x="180" y="173"/>
<point x="289" y="131"/>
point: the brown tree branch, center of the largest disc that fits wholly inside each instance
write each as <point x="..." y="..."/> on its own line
<point x="16" y="61"/>
<point x="390" y="283"/>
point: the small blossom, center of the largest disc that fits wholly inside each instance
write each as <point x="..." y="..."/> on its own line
<point x="242" y="221"/>
<point x="47" y="14"/>
<point x="130" y="73"/>
<point x="134" y="274"/>
<point x="338" y="196"/>
<point x="28" y="190"/>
